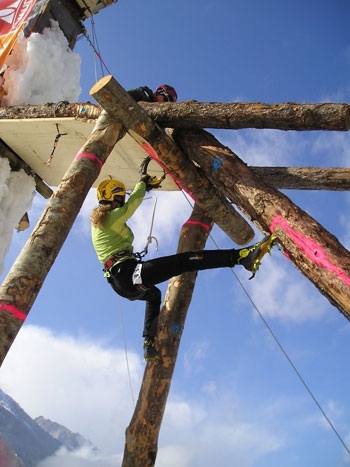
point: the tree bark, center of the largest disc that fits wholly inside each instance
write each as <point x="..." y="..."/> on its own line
<point x="153" y="139"/>
<point x="141" y="442"/>
<point x="63" y="109"/>
<point x="193" y="114"/>
<point x="24" y="280"/>
<point x="306" y="178"/>
<point x="315" y="252"/>
<point x="238" y="115"/>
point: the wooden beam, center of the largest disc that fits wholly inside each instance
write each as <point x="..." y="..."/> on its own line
<point x="25" y="279"/>
<point x="238" y="115"/>
<point x="315" y="252"/>
<point x="142" y="434"/>
<point x="193" y="114"/>
<point x="120" y="105"/>
<point x="306" y="178"/>
<point x="16" y="163"/>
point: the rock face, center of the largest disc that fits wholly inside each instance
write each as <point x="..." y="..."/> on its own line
<point x="25" y="442"/>
<point x="72" y="441"/>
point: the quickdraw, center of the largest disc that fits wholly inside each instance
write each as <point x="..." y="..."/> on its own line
<point x="150" y="236"/>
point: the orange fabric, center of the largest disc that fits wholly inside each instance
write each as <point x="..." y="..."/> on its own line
<point x="13" y="15"/>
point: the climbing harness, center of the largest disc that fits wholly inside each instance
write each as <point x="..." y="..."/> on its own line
<point x="153" y="181"/>
<point x="127" y="254"/>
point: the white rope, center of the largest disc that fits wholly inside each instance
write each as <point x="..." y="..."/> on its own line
<point x="126" y="350"/>
<point x="150" y="236"/>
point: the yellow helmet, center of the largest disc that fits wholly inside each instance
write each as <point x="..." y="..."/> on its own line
<point x="108" y="189"/>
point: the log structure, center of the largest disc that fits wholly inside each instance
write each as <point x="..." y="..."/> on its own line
<point x="216" y="178"/>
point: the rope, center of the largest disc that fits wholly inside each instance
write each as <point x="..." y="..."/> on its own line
<point x="125" y="350"/>
<point x="150" y="236"/>
<point x="275" y="338"/>
<point x="92" y="43"/>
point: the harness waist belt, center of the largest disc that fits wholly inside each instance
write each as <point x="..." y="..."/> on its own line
<point x="116" y="257"/>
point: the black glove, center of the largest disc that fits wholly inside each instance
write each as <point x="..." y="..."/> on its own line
<point x="146" y="179"/>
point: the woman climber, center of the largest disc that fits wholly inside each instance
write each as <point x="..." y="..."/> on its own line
<point x="135" y="279"/>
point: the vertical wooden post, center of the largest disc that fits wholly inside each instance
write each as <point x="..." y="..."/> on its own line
<point x="24" y="280"/>
<point x="143" y="431"/>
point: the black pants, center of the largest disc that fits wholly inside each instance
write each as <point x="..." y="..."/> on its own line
<point x="159" y="270"/>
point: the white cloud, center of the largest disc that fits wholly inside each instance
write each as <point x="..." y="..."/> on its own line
<point x="83" y="384"/>
<point x="80" y="383"/>
<point x="282" y="292"/>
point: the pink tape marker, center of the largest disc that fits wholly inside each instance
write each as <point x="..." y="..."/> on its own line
<point x="205" y="226"/>
<point x="87" y="155"/>
<point x="13" y="310"/>
<point x="310" y="248"/>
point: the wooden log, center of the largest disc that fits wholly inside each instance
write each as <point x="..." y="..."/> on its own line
<point x="193" y="114"/>
<point x="306" y="178"/>
<point x="63" y="109"/>
<point x="141" y="443"/>
<point x="238" y="115"/>
<point x="120" y="105"/>
<point x="315" y="252"/>
<point x="16" y="164"/>
<point x="25" y="279"/>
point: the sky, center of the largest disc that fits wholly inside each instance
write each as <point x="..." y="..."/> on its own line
<point x="257" y="358"/>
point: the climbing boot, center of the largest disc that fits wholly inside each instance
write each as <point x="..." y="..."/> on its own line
<point x="150" y="351"/>
<point x="251" y="256"/>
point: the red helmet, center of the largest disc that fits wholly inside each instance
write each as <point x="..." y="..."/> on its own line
<point x="168" y="92"/>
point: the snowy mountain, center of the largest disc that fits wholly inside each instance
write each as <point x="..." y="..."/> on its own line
<point x="25" y="442"/>
<point x="72" y="441"/>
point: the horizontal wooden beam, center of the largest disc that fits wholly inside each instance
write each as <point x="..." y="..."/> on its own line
<point x="193" y="114"/>
<point x="306" y="178"/>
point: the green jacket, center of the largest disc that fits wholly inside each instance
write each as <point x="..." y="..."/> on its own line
<point x="115" y="235"/>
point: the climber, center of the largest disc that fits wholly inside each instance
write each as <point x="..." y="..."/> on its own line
<point x="135" y="279"/>
<point x="163" y="93"/>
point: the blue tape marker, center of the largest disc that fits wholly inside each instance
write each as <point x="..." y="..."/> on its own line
<point x="176" y="328"/>
<point x="217" y="163"/>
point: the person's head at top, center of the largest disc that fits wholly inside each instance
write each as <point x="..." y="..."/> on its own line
<point x="165" y="93"/>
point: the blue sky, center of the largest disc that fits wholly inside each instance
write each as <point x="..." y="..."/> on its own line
<point x="234" y="395"/>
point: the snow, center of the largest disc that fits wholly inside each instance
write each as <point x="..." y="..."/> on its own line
<point x="17" y="191"/>
<point x="42" y="69"/>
